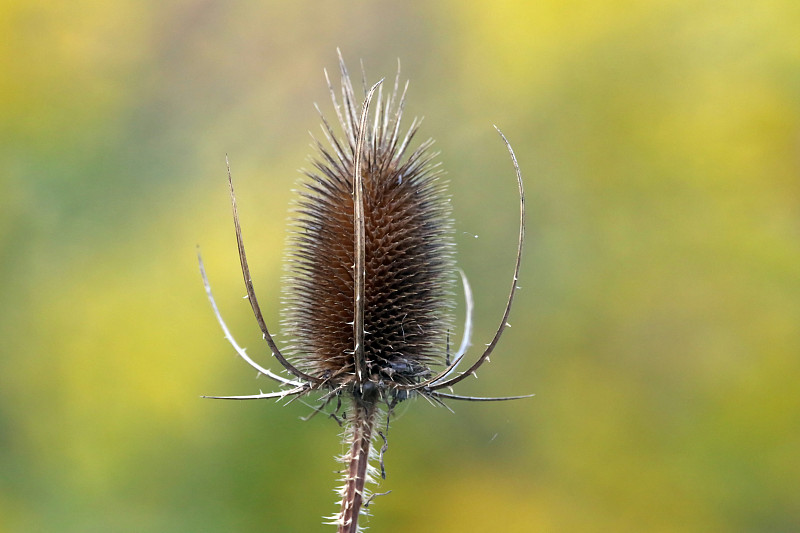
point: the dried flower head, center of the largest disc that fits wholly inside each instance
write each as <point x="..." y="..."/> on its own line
<point x="402" y="246"/>
<point x="369" y="290"/>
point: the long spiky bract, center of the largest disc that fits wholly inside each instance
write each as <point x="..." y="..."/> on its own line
<point x="370" y="280"/>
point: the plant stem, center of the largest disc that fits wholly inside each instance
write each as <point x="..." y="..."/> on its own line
<point x="357" y="459"/>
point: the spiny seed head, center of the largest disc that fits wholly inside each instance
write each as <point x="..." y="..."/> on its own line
<point x="370" y="272"/>
<point x="408" y="251"/>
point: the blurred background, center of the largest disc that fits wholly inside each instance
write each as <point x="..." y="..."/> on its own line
<point x="658" y="323"/>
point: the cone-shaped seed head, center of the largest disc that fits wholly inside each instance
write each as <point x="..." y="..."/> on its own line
<point x="408" y="252"/>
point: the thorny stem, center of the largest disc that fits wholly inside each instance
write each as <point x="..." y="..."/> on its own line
<point x="358" y="469"/>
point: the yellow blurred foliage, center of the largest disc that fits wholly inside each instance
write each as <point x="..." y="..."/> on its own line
<point x="659" y="324"/>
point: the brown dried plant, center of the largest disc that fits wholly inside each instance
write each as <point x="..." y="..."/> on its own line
<point x="369" y="294"/>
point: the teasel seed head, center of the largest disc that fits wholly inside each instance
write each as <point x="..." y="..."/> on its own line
<point x="369" y="286"/>
<point x="408" y="251"/>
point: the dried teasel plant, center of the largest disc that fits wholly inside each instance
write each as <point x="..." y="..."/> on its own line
<point x="369" y="293"/>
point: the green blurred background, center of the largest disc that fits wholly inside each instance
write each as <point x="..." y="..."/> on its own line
<point x="658" y="324"/>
